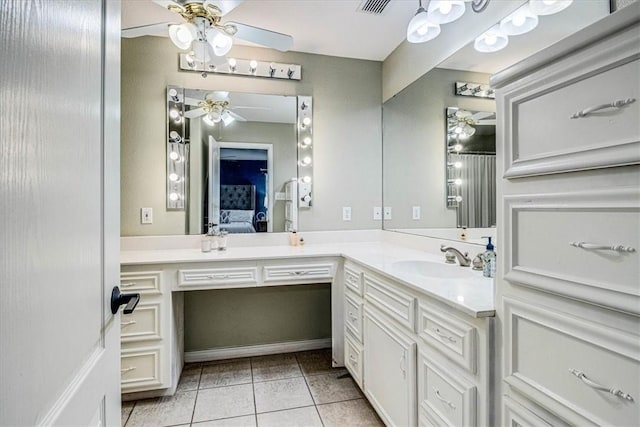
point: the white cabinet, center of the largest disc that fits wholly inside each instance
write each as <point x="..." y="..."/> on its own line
<point x="567" y="289"/>
<point x="389" y="370"/>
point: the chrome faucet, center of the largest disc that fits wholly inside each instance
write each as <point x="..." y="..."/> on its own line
<point x="463" y="259"/>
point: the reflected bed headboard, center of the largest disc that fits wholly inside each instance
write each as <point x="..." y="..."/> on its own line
<point x="238" y="197"/>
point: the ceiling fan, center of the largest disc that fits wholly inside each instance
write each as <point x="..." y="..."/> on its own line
<point x="462" y="122"/>
<point x="215" y="107"/>
<point x="203" y="31"/>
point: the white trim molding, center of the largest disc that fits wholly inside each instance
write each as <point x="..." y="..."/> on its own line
<point x="255" y="350"/>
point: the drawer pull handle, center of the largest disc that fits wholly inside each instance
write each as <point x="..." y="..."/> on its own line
<point x="353" y="359"/>
<point x="130" y="322"/>
<point x="125" y="370"/>
<point x="442" y="399"/>
<point x="615" y="104"/>
<point x="298" y="273"/>
<point x="618" y="393"/>
<point x="444" y="336"/>
<point x="595" y="246"/>
<point x="127" y="285"/>
<point x="351" y="315"/>
<point x="218" y="276"/>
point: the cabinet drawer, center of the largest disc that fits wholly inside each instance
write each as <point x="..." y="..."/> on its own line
<point x="353" y="358"/>
<point x="391" y="300"/>
<point x="353" y="278"/>
<point x="561" y="362"/>
<point x="554" y="261"/>
<point x="565" y="142"/>
<point x="142" y="324"/>
<point x="140" y="369"/>
<point x="223" y="277"/>
<point x="450" y="336"/>
<point x="353" y="314"/>
<point x="298" y="273"/>
<point x="515" y="415"/>
<point x="446" y="400"/>
<point x="145" y="283"/>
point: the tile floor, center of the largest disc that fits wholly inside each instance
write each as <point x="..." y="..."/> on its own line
<point x="296" y="389"/>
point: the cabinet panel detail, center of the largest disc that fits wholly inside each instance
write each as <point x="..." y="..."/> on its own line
<point x="391" y="301"/>
<point x="353" y="278"/>
<point x="145" y="283"/>
<point x="221" y="277"/>
<point x="353" y="315"/>
<point x="584" y="355"/>
<point x="140" y="370"/>
<point x="142" y="324"/>
<point x="298" y="273"/>
<point x="353" y="358"/>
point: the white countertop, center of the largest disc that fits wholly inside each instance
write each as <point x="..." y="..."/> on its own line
<point x="472" y="295"/>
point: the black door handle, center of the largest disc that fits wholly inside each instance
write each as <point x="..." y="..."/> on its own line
<point x="118" y="299"/>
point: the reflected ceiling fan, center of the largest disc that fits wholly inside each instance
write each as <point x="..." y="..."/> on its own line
<point x="203" y="31"/>
<point x="215" y="107"/>
<point x="462" y="122"/>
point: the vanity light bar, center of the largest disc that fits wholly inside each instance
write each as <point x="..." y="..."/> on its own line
<point x="477" y="90"/>
<point x="305" y="151"/>
<point x="177" y="150"/>
<point x="243" y="67"/>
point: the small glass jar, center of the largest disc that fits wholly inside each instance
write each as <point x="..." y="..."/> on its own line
<point x="222" y="240"/>
<point x="205" y="243"/>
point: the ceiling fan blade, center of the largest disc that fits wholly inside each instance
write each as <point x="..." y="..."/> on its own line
<point x="190" y="114"/>
<point x="167" y="3"/>
<point x="482" y="115"/>
<point x="225" y="6"/>
<point x="192" y="101"/>
<point x="243" y="107"/>
<point x="278" y="41"/>
<point x="218" y="95"/>
<point x="236" y="116"/>
<point x="161" y="29"/>
<point x="487" y="122"/>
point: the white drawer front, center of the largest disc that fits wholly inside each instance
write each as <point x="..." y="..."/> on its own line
<point x="298" y="273"/>
<point x="145" y="283"/>
<point x="514" y="415"/>
<point x="541" y="135"/>
<point x="452" y="337"/>
<point x="391" y="301"/>
<point x="143" y="324"/>
<point x="220" y="277"/>
<point x="559" y="361"/>
<point x="140" y="370"/>
<point x="353" y="278"/>
<point x="451" y="401"/>
<point x="542" y="229"/>
<point x="353" y="315"/>
<point x="353" y="358"/>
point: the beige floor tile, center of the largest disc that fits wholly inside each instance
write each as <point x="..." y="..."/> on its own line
<point x="224" y="402"/>
<point x="246" y="421"/>
<point x="282" y="394"/>
<point x="276" y="367"/>
<point x="127" y="407"/>
<point x="317" y="362"/>
<point x="224" y="374"/>
<point x="352" y="413"/>
<point x="328" y="388"/>
<point x="163" y="411"/>
<point x="299" y="417"/>
<point x="190" y="377"/>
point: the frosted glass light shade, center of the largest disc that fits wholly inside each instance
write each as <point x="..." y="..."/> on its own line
<point x="445" y="11"/>
<point x="492" y="40"/>
<point x="421" y="29"/>
<point x="227" y="118"/>
<point x="182" y="35"/>
<point x="519" y="22"/>
<point x="220" y="42"/>
<point x="548" y="7"/>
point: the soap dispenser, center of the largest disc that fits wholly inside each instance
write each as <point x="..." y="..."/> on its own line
<point x="489" y="260"/>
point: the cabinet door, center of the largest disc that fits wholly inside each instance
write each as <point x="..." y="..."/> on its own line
<point x="389" y="370"/>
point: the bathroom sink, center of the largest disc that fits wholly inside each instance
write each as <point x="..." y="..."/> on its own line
<point x="432" y="269"/>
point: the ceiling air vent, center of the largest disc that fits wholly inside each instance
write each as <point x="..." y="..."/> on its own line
<point x="375" y="7"/>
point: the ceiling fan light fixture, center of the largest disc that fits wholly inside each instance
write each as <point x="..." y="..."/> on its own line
<point x="219" y="41"/>
<point x="519" y="22"/>
<point x="420" y="28"/>
<point x="492" y="40"/>
<point x="183" y="35"/>
<point x="445" y="11"/>
<point x="548" y="7"/>
<point x="203" y="51"/>
<point x="227" y="118"/>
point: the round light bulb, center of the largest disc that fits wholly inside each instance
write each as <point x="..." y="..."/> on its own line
<point x="519" y="20"/>
<point x="306" y="121"/>
<point x="306" y="141"/>
<point x="306" y="160"/>
<point x="458" y="198"/>
<point x="173" y="177"/>
<point x="173" y="93"/>
<point x="491" y="39"/>
<point x="173" y="197"/>
<point x="232" y="62"/>
<point x="306" y="179"/>
<point x="457" y="147"/>
<point x="174" y="156"/>
<point x="174" y="114"/>
<point x="253" y="64"/>
<point x="458" y="181"/>
<point x="457" y="165"/>
<point x="174" y="136"/>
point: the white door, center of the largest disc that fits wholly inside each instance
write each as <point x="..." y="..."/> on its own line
<point x="59" y="212"/>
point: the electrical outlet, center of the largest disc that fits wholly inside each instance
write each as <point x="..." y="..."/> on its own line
<point x="346" y="213"/>
<point x="146" y="215"/>
<point x="377" y="213"/>
<point x="387" y="212"/>
<point x="415" y="212"/>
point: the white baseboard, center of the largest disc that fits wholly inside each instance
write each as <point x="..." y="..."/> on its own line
<point x="255" y="350"/>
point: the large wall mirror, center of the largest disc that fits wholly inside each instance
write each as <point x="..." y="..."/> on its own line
<point x="437" y="177"/>
<point x="233" y="159"/>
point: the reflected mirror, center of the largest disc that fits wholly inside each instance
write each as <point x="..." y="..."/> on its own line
<point x="232" y="160"/>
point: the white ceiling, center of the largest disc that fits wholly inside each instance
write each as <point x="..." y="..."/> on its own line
<point x="337" y="28"/>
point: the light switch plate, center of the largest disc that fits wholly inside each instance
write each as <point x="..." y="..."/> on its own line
<point x="415" y="212"/>
<point x="146" y="215"/>
<point x="346" y="213"/>
<point x="377" y="213"/>
<point x="387" y="212"/>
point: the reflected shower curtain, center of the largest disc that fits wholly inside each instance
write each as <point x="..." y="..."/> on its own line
<point x="478" y="206"/>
